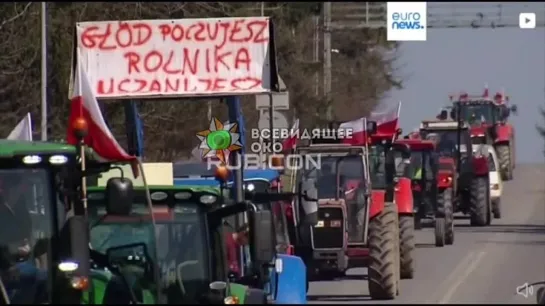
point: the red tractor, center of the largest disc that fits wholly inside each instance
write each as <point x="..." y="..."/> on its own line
<point x="393" y="186"/>
<point x="472" y="179"/>
<point x="432" y="188"/>
<point x="487" y="118"/>
<point x="357" y="226"/>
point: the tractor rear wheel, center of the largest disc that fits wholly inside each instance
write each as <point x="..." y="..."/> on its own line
<point x="479" y="202"/>
<point x="406" y="246"/>
<point x="444" y="202"/>
<point x="383" y="270"/>
<point x="504" y="158"/>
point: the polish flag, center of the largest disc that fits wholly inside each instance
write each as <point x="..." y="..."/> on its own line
<point x="358" y="128"/>
<point x="485" y="94"/>
<point x="387" y="122"/>
<point x="290" y="143"/>
<point x="99" y="137"/>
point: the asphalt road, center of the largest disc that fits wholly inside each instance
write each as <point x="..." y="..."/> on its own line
<point x="485" y="265"/>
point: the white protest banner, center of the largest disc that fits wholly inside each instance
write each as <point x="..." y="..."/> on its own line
<point x="177" y="58"/>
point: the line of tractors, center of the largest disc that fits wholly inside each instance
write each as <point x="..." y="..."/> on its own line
<point x="374" y="195"/>
<point x="178" y="243"/>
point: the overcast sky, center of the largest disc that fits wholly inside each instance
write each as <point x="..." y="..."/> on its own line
<point x="452" y="60"/>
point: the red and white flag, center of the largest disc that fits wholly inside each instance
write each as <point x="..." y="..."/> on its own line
<point x="387" y="121"/>
<point x="358" y="128"/>
<point x="290" y="143"/>
<point x="85" y="105"/>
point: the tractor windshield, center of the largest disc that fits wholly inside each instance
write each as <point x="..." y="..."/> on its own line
<point x="179" y="236"/>
<point x="335" y="173"/>
<point x="183" y="252"/>
<point x="109" y="233"/>
<point x="475" y="113"/>
<point x="448" y="139"/>
<point x="27" y="214"/>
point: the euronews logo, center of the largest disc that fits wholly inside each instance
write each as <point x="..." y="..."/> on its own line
<point x="406" y="21"/>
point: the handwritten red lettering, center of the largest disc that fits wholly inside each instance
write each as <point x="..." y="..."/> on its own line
<point x="177" y="57"/>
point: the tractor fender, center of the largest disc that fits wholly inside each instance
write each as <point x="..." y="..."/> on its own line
<point x="377" y="202"/>
<point x="503" y="133"/>
<point x="480" y="165"/>
<point x="292" y="281"/>
<point x="404" y="196"/>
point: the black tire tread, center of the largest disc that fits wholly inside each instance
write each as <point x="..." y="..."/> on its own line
<point x="504" y="159"/>
<point x="383" y="254"/>
<point x="446" y="201"/>
<point x="479" y="202"/>
<point x="406" y="246"/>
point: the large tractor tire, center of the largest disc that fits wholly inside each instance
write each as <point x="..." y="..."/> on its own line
<point x="383" y="270"/>
<point x="445" y="203"/>
<point x="506" y="166"/>
<point x="406" y="246"/>
<point x="480" y="202"/>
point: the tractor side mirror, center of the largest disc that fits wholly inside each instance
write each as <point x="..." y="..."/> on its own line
<point x="308" y="195"/>
<point x="262" y="246"/>
<point x="514" y="109"/>
<point x="119" y="196"/>
<point x="399" y="131"/>
<point x="443" y="115"/>
<point x="371" y="127"/>
<point x="453" y="114"/>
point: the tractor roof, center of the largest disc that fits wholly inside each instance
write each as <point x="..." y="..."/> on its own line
<point x="10" y="148"/>
<point x="441" y="125"/>
<point x="417" y="144"/>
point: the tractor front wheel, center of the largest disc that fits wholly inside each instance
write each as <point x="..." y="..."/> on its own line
<point x="479" y="202"/>
<point x="383" y="270"/>
<point x="444" y="202"/>
<point x="406" y="246"/>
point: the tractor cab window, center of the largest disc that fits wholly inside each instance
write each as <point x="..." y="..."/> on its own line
<point x="182" y="252"/>
<point x="26" y="221"/>
<point x="132" y="239"/>
<point x="475" y="113"/>
<point x="334" y="172"/>
<point x="448" y="139"/>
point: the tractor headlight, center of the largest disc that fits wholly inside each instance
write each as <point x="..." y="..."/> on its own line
<point x="32" y="159"/>
<point x="208" y="199"/>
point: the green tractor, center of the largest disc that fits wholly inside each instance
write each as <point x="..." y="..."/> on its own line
<point x="44" y="254"/>
<point x="175" y="252"/>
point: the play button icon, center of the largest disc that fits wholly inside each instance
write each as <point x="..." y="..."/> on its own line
<point x="527" y="20"/>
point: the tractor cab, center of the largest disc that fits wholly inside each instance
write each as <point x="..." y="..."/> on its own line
<point x="483" y="114"/>
<point x="180" y="259"/>
<point x="43" y="212"/>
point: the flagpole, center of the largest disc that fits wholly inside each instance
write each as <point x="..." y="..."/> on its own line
<point x="397" y="118"/>
<point x="43" y="123"/>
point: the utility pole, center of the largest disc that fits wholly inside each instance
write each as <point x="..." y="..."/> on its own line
<point x="326" y="30"/>
<point x="262" y="8"/>
<point x="316" y="53"/>
<point x="43" y="122"/>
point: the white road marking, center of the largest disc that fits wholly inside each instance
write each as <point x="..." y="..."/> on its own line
<point x="472" y="266"/>
<point x="458" y="269"/>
